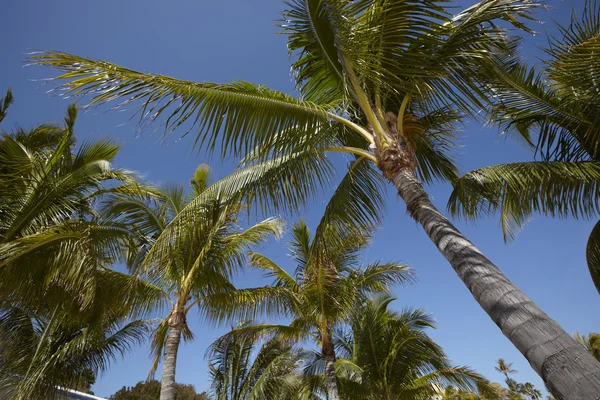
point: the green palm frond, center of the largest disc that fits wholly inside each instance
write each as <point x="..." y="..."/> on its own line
<point x="380" y="277"/>
<point x="524" y="101"/>
<point x="280" y="276"/>
<point x="238" y="243"/>
<point x="157" y="345"/>
<point x="591" y="343"/>
<point x="394" y="357"/>
<point x="311" y="32"/>
<point x="249" y="303"/>
<point x="300" y="244"/>
<point x="282" y="183"/>
<point x="5" y="102"/>
<point x="356" y="205"/>
<point x="238" y="110"/>
<point x="573" y="65"/>
<point x="40" y="138"/>
<point x="386" y="36"/>
<point x="40" y="354"/>
<point x="558" y="189"/>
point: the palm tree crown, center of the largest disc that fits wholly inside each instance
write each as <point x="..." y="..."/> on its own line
<point x="190" y="246"/>
<point x="244" y="367"/>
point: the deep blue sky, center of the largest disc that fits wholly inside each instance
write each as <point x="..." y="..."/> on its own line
<point x="225" y="40"/>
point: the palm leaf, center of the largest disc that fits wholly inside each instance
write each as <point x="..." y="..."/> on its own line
<point x="241" y="113"/>
<point x="312" y="34"/>
<point x="558" y="189"/>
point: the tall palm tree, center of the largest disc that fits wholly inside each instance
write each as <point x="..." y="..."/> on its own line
<point x="590" y="342"/>
<point x="384" y="81"/>
<point x="397" y="359"/>
<point x="189" y="251"/>
<point x="555" y="109"/>
<point x="241" y="367"/>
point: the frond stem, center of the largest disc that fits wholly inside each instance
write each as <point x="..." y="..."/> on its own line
<point x="401" y="114"/>
<point x="363" y="102"/>
<point x="355" y="127"/>
<point x="353" y="150"/>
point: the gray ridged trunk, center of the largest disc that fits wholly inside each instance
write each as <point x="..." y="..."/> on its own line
<point x="328" y="354"/>
<point x="568" y="370"/>
<point x="167" y="381"/>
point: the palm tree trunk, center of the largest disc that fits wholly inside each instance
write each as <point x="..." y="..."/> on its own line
<point x="328" y="354"/>
<point x="566" y="368"/>
<point x="167" y="382"/>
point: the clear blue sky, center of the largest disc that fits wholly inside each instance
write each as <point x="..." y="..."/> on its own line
<point x="225" y="40"/>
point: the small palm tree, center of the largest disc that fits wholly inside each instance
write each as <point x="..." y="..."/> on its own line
<point x="384" y="81"/>
<point x="504" y="367"/>
<point x="396" y="358"/>
<point x="590" y="342"/>
<point x="190" y="249"/>
<point x="243" y="368"/>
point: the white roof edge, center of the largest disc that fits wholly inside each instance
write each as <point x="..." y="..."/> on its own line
<point x="84" y="395"/>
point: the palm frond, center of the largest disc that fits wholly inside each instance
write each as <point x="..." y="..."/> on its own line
<point x="312" y="38"/>
<point x="5" y="102"/>
<point x="558" y="189"/>
<point x="241" y="113"/>
<point x="354" y="208"/>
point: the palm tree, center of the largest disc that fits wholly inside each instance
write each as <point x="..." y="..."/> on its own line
<point x="190" y="251"/>
<point x="590" y="342"/>
<point x="321" y="293"/>
<point x="396" y="358"/>
<point x="531" y="392"/>
<point x="384" y="81"/>
<point x="243" y="368"/>
<point x="63" y="313"/>
<point x="505" y="367"/>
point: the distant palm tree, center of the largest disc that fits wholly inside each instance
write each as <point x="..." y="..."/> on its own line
<point x="505" y="367"/>
<point x="531" y="392"/>
<point x="191" y="246"/>
<point x="326" y="282"/>
<point x="390" y="357"/>
<point x="591" y="343"/>
<point x="385" y="81"/>
<point x="243" y="368"/>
